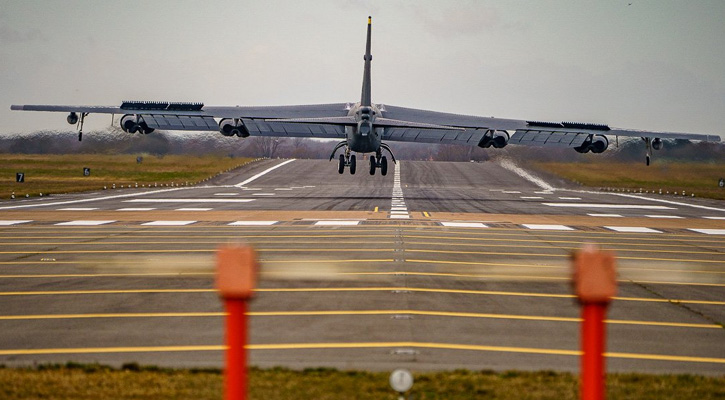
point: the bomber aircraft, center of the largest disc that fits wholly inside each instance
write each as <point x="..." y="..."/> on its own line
<point x="364" y="126"/>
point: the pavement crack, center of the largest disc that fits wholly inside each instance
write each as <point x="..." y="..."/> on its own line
<point x="679" y="304"/>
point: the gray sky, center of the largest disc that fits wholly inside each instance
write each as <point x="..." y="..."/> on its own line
<point x="655" y="65"/>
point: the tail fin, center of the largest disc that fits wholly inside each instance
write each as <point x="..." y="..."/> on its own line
<point x="366" y="100"/>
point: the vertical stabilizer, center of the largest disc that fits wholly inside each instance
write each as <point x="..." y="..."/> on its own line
<point x="365" y="100"/>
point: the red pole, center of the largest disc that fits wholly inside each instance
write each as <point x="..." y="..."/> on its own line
<point x="236" y="277"/>
<point x="593" y="335"/>
<point x="235" y="376"/>
<point x="595" y="283"/>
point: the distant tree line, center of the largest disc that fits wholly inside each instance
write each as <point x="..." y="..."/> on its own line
<point x="115" y="141"/>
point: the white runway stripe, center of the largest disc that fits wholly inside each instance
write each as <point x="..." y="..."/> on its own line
<point x="570" y="198"/>
<point x="259" y="175"/>
<point x="226" y="194"/>
<point x="714" y="217"/>
<point x="252" y="223"/>
<point x="605" y="215"/>
<point x="84" y="223"/>
<point x="136" y="209"/>
<point x="193" y="209"/>
<point x="337" y="223"/>
<point x="396" y="216"/>
<point x="14" y="222"/>
<point x="78" y="209"/>
<point x="664" y="216"/>
<point x="624" y="206"/>
<point x="464" y="225"/>
<point x="168" y="223"/>
<point x="188" y="201"/>
<point x="531" y="197"/>
<point x="548" y="227"/>
<point x="709" y="231"/>
<point x="632" y="229"/>
<point x="262" y="194"/>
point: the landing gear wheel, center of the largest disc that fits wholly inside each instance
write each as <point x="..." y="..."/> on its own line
<point x="384" y="166"/>
<point x="341" y="165"/>
<point x="353" y="164"/>
<point x="373" y="165"/>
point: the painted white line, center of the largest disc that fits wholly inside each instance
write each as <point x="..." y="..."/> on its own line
<point x="709" y="231"/>
<point x="511" y="191"/>
<point x="464" y="224"/>
<point x="283" y="189"/>
<point x="570" y="198"/>
<point x="625" y="206"/>
<point x="136" y="209"/>
<point x="262" y="194"/>
<point x="226" y="194"/>
<point x="84" y="223"/>
<point x="547" y="227"/>
<point x="168" y="223"/>
<point x="664" y="216"/>
<point x="399" y="212"/>
<point x="78" y="209"/>
<point x="606" y="215"/>
<point x="511" y="166"/>
<point x="188" y="201"/>
<point x="531" y="197"/>
<point x="251" y="189"/>
<point x="120" y="196"/>
<point x="544" y="192"/>
<point x="9" y="222"/>
<point x="193" y="209"/>
<point x="337" y="223"/>
<point x="632" y="229"/>
<point x="252" y="223"/>
<point x="259" y="175"/>
<point x="400" y="216"/>
<point x="398" y="208"/>
<point x="677" y="203"/>
<point x="714" y="217"/>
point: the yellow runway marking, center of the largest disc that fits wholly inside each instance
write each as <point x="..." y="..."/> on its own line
<point x="359" y="345"/>
<point x="360" y="260"/>
<point x="198" y="242"/>
<point x="351" y="289"/>
<point x="376" y="209"/>
<point x="425" y="214"/>
<point x="648" y="250"/>
<point x="352" y="313"/>
<point x="303" y="250"/>
<point x="494" y="253"/>
<point x="565" y="267"/>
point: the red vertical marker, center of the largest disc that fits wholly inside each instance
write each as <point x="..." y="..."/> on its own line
<point x="595" y="283"/>
<point x="235" y="279"/>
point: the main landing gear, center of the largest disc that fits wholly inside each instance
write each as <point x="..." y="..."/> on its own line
<point x="347" y="160"/>
<point x="378" y="161"/>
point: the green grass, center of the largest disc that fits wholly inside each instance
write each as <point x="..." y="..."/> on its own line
<point x="698" y="178"/>
<point x="82" y="381"/>
<point x="64" y="173"/>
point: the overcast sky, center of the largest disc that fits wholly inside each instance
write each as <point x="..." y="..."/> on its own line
<point x="656" y="65"/>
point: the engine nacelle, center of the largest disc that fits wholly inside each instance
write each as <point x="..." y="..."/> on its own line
<point x="596" y="144"/>
<point x="497" y="139"/>
<point x="657" y="143"/>
<point x="72" y="118"/>
<point x="228" y="127"/>
<point x="132" y="124"/>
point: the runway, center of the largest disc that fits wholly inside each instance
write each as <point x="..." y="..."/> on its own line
<point x="435" y="266"/>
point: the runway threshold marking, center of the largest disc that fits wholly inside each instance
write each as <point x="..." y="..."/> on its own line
<point x="356" y="345"/>
<point x="353" y="313"/>
<point x="350" y="289"/>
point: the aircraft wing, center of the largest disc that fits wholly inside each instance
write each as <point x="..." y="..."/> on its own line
<point x="259" y="120"/>
<point x="558" y="134"/>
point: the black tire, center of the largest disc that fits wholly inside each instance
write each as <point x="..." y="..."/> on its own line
<point x="648" y="161"/>
<point x="341" y="165"/>
<point x="383" y="166"/>
<point x="372" y="165"/>
<point x="353" y="164"/>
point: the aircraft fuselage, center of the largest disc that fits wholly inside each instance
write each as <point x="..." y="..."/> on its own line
<point x="364" y="137"/>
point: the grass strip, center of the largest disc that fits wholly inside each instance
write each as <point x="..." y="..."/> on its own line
<point x="54" y="174"/>
<point x="700" y="178"/>
<point x="131" y="381"/>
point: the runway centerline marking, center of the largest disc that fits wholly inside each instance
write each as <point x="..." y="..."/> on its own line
<point x="189" y="200"/>
<point x="259" y="175"/>
<point x="85" y="223"/>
